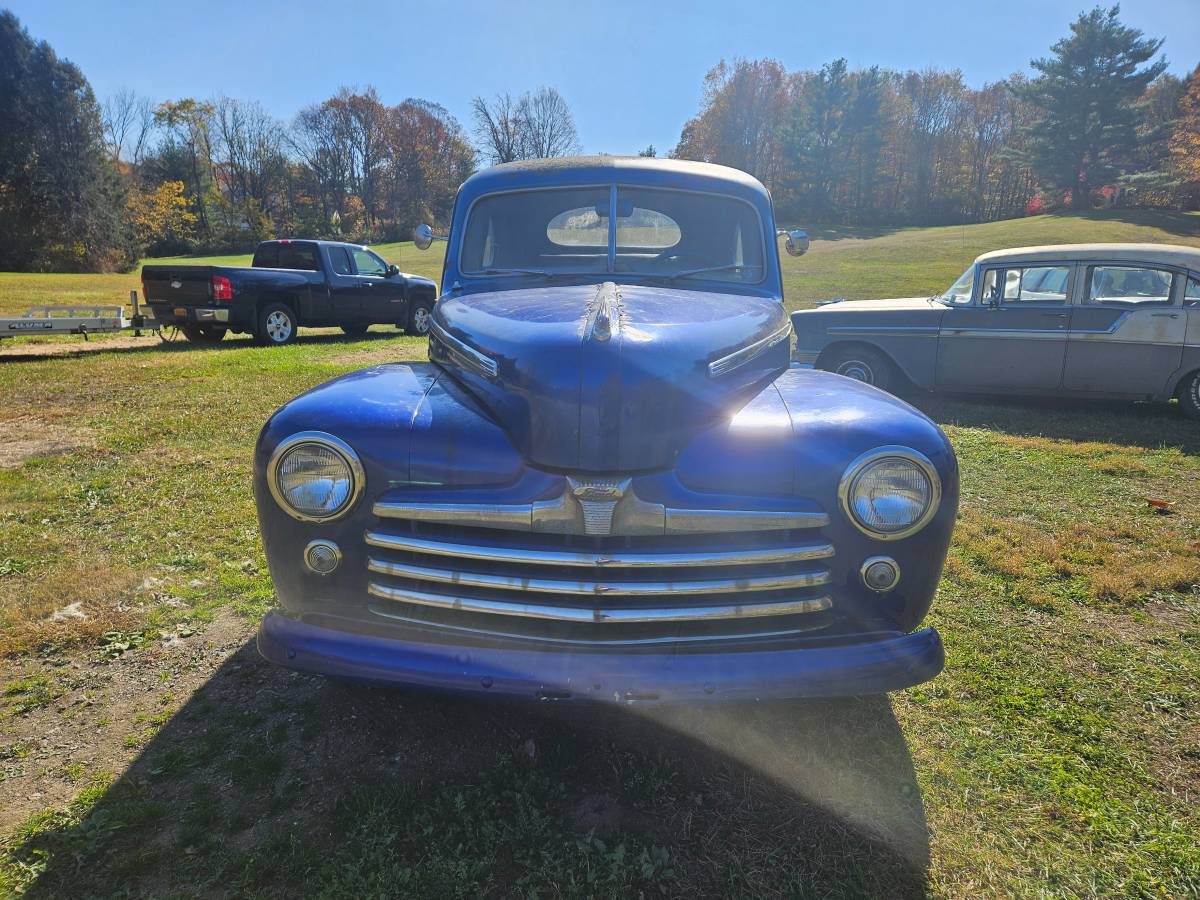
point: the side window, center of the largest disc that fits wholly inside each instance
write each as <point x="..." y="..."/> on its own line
<point x="1128" y="285"/>
<point x="296" y="256"/>
<point x="1191" y="295"/>
<point x="339" y="261"/>
<point x="1035" y="284"/>
<point x="367" y="263"/>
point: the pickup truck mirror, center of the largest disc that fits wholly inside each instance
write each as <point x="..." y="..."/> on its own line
<point x="796" y="243"/>
<point x="393" y="270"/>
<point x="423" y="237"/>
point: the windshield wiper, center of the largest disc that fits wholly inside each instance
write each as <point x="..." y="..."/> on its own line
<point x="725" y="268"/>
<point x="523" y="271"/>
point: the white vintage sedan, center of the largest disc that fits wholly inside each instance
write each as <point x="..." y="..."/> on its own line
<point x="1087" y="320"/>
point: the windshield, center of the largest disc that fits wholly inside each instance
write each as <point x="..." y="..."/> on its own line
<point x="960" y="291"/>
<point x="658" y="233"/>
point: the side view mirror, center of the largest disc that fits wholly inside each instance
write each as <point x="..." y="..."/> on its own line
<point x="393" y="271"/>
<point x="797" y="243"/>
<point x="423" y="237"/>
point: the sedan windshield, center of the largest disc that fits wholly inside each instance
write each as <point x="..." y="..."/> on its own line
<point x="959" y="292"/>
<point x="672" y="235"/>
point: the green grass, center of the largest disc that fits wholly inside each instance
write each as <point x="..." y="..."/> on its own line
<point x="1057" y="755"/>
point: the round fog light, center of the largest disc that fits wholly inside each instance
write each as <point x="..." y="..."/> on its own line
<point x="880" y="573"/>
<point x="322" y="557"/>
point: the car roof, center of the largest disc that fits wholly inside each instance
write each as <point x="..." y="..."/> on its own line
<point x="1163" y="254"/>
<point x="642" y="170"/>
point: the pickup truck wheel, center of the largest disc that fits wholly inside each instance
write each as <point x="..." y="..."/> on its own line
<point x="1189" y="396"/>
<point x="419" y="320"/>
<point x="276" y="325"/>
<point x="863" y="364"/>
<point x="203" y="334"/>
<point x="355" y="329"/>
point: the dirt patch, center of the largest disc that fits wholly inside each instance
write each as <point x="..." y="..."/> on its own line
<point x="76" y="346"/>
<point x="22" y="439"/>
<point x="97" y="724"/>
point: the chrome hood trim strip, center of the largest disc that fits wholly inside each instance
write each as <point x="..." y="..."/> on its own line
<point x="726" y="364"/>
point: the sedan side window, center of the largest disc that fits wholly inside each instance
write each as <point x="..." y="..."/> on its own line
<point x="1128" y="285"/>
<point x="367" y="263"/>
<point x="1191" y="296"/>
<point x="1035" y="284"/>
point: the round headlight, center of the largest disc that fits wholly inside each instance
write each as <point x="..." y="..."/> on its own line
<point x="315" y="476"/>
<point x="891" y="492"/>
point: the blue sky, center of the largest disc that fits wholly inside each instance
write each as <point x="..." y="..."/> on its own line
<point x="631" y="71"/>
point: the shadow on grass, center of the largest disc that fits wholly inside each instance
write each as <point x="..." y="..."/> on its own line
<point x="1178" y="223"/>
<point x="1146" y="425"/>
<point x="233" y="342"/>
<point x="277" y="784"/>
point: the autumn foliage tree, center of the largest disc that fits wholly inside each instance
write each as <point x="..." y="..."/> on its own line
<point x="1185" y="141"/>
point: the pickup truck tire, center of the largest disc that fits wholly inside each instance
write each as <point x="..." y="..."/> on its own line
<point x="355" y="329"/>
<point x="1189" y="396"/>
<point x="863" y="364"/>
<point x="419" y="318"/>
<point x="203" y="334"/>
<point x="276" y="325"/>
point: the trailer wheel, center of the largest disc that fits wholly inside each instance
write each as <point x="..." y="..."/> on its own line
<point x="203" y="334"/>
<point x="276" y="325"/>
<point x="419" y="319"/>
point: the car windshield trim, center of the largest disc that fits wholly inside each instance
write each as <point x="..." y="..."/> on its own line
<point x="611" y="248"/>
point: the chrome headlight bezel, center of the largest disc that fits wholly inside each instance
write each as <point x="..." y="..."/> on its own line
<point x="907" y="454"/>
<point x="358" y="478"/>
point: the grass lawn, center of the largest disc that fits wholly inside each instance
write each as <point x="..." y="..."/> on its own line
<point x="146" y="750"/>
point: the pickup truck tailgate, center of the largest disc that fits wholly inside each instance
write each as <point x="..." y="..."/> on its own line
<point x="178" y="285"/>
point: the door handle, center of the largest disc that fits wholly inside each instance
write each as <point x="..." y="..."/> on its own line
<point x="365" y="284"/>
<point x="1165" y="315"/>
<point x="1056" y="315"/>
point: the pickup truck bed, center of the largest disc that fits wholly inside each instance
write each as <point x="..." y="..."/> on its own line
<point x="290" y="284"/>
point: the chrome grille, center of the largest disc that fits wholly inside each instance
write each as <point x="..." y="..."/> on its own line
<point x="599" y="590"/>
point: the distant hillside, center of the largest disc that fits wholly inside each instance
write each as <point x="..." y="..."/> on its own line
<point x="859" y="263"/>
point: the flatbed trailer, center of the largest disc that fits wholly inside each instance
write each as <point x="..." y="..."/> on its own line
<point x="84" y="320"/>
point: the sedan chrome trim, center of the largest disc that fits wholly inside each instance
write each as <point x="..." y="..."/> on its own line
<point x="784" y="581"/>
<point x="593" y="615"/>
<point x="614" y="560"/>
<point x="462" y="353"/>
<point x="728" y="363"/>
<point x="494" y="633"/>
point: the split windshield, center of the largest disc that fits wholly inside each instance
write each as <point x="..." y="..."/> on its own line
<point x="658" y="233"/>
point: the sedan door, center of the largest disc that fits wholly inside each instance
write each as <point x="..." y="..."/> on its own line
<point x="382" y="295"/>
<point x="1014" y="337"/>
<point x="1127" y="334"/>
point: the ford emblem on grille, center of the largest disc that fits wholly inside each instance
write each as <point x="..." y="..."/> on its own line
<point x="177" y="284"/>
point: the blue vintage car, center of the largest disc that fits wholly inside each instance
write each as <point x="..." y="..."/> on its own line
<point x="607" y="483"/>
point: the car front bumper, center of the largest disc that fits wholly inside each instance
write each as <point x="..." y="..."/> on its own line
<point x="870" y="665"/>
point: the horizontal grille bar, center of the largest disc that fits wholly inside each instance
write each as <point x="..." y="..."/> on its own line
<point x="781" y="581"/>
<point x="614" y="559"/>
<point x="600" y="616"/>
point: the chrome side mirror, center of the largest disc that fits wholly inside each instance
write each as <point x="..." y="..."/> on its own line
<point x="423" y="236"/>
<point x="796" y="243"/>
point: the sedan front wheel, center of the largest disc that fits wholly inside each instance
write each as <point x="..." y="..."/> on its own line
<point x="862" y="364"/>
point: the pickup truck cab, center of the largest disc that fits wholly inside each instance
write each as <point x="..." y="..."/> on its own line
<point x="607" y="483"/>
<point x="288" y="285"/>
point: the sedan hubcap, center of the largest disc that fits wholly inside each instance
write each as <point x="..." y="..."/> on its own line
<point x="279" y="326"/>
<point x="858" y="370"/>
<point x="420" y="320"/>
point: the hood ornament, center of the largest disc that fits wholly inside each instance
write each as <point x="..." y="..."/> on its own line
<point x="605" y="308"/>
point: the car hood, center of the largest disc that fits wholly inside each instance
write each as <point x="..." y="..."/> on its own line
<point x="609" y="377"/>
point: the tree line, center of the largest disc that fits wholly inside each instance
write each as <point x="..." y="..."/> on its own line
<point x="90" y="186"/>
<point x="1097" y="122"/>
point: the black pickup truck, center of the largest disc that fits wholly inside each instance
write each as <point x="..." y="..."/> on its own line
<point x="289" y="284"/>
